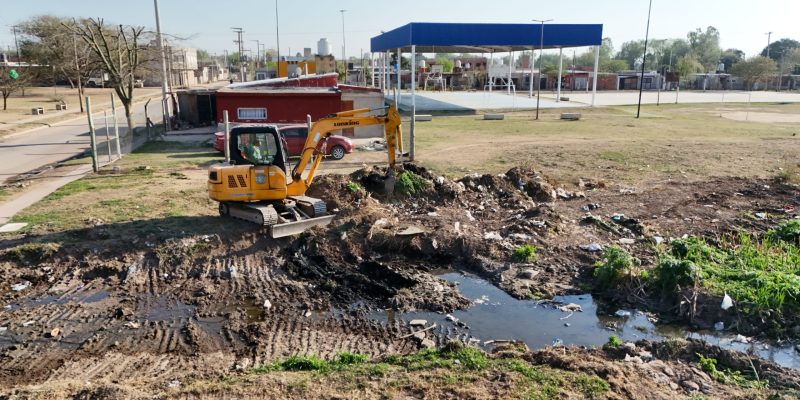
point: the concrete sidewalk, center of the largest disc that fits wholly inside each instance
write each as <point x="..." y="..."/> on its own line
<point x="38" y="192"/>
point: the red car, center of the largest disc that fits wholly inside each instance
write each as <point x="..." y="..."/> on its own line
<point x="295" y="136"/>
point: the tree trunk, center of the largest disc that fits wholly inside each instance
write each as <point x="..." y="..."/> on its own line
<point x="131" y="125"/>
<point x="5" y="101"/>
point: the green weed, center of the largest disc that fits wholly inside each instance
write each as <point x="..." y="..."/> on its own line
<point x="788" y="231"/>
<point x="347" y="358"/>
<point x="525" y="253"/>
<point x="353" y="187"/>
<point x="409" y="183"/>
<point x="614" y="341"/>
<point x="615" y="265"/>
<point x="730" y="377"/>
<point x="592" y="386"/>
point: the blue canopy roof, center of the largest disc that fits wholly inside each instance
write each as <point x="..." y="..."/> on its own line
<point x="484" y="38"/>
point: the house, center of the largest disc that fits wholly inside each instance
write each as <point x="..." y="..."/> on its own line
<point x="630" y="80"/>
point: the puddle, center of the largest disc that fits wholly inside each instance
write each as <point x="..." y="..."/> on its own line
<point x="495" y="315"/>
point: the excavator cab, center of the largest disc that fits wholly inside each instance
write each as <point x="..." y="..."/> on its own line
<point x="257" y="145"/>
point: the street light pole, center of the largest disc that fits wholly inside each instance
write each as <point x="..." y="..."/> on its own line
<point x="164" y="102"/>
<point x="277" y="34"/>
<point x="769" y="37"/>
<point x="344" y="48"/>
<point x="239" y="42"/>
<point x="644" y="60"/>
<point x="541" y="51"/>
<point x="258" y="51"/>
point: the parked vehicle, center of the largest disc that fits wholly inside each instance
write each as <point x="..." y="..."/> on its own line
<point x="95" y="81"/>
<point x="295" y="137"/>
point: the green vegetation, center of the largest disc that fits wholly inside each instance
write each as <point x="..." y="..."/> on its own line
<point x="614" y="265"/>
<point x="592" y="385"/>
<point x="409" y="183"/>
<point x="312" y="363"/>
<point x="353" y="187"/>
<point x="760" y="276"/>
<point x="727" y="376"/>
<point x="445" y="357"/>
<point x="524" y="254"/>
<point x="614" y="341"/>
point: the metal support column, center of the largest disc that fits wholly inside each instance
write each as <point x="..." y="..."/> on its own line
<point x="510" y="62"/>
<point x="530" y="83"/>
<point x="594" y="73"/>
<point x="413" y="99"/>
<point x="560" y="67"/>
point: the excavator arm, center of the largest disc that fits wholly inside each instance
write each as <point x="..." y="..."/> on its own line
<point x="322" y="130"/>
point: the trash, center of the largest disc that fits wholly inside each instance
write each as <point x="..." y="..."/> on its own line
<point x="380" y="222"/>
<point x="761" y="215"/>
<point x="433" y="214"/>
<point x="267" y="304"/>
<point x="727" y="302"/>
<point x="457" y="227"/>
<point x="570" y="307"/>
<point x="18" y="287"/>
<point x="418" y="322"/>
<point x="558" y="342"/>
<point x="482" y="299"/>
<point x="469" y="216"/>
<point x="232" y="271"/>
<point x="411" y="231"/>
<point x="622" y="313"/>
<point x="719" y="326"/>
<point x="592" y="247"/>
<point x="440" y="180"/>
<point x="591" y="206"/>
<point x="307" y="313"/>
<point x="528" y="273"/>
<point x="634" y="359"/>
<point x="492" y="236"/>
<point x="658" y="239"/>
<point x="627" y="241"/>
<point x="567" y="324"/>
<point x="457" y="361"/>
<point x="741" y="339"/>
<point x="132" y="325"/>
<point x="173" y="384"/>
<point x="617" y="217"/>
<point x="627" y="190"/>
<point x="3" y="329"/>
<point x="55" y="332"/>
<point x="451" y="318"/>
<point x="28" y="323"/>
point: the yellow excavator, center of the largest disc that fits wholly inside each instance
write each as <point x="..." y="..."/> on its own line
<point x="252" y="184"/>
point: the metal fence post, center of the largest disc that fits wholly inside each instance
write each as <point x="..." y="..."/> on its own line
<point x="93" y="142"/>
<point x="116" y="125"/>
<point x="108" y="135"/>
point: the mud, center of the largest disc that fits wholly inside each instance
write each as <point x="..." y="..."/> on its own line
<point x="199" y="307"/>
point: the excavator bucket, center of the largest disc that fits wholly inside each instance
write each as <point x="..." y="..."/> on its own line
<point x="297" y="227"/>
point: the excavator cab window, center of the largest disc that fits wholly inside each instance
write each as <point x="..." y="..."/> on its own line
<point x="258" y="148"/>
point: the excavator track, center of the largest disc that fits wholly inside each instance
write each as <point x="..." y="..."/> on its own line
<point x="302" y="213"/>
<point x="257" y="213"/>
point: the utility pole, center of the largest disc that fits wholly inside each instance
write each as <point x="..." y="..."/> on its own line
<point x="159" y="39"/>
<point x="258" y="51"/>
<point x="769" y="37"/>
<point x="541" y="51"/>
<point x="16" y="45"/>
<point x="277" y="33"/>
<point x="78" y="69"/>
<point x="644" y="60"/>
<point x="238" y="41"/>
<point x="344" y="48"/>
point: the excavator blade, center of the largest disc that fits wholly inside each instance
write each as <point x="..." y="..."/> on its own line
<point x="296" y="227"/>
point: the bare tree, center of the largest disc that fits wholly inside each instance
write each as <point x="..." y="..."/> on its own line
<point x="11" y="82"/>
<point x="122" y="51"/>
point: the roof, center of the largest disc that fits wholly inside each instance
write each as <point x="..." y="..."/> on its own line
<point x="430" y="37"/>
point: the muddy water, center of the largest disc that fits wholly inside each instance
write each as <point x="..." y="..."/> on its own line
<point x="495" y="315"/>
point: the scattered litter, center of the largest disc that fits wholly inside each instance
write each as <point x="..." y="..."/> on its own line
<point x="132" y="325"/>
<point x="469" y="216"/>
<point x="232" y="271"/>
<point x="570" y="307"/>
<point x="727" y="302"/>
<point x="558" y="342"/>
<point x="380" y="222"/>
<point x="591" y="206"/>
<point x="658" y="239"/>
<point x="567" y="324"/>
<point x="627" y="241"/>
<point x="440" y="180"/>
<point x="457" y="361"/>
<point x="18" y="287"/>
<point x="343" y="236"/>
<point x="528" y="273"/>
<point x="492" y="236"/>
<point x="3" y="329"/>
<point x="173" y="384"/>
<point x="592" y="247"/>
<point x="761" y="215"/>
<point x="622" y="313"/>
<point x="418" y="322"/>
<point x="307" y="313"/>
<point x="482" y="299"/>
<point x="617" y="217"/>
<point x="520" y="236"/>
<point x="719" y="326"/>
<point x="627" y="190"/>
<point x="457" y="227"/>
<point x="411" y="231"/>
<point x="634" y="359"/>
<point x="28" y="323"/>
<point x="433" y="214"/>
<point x="450" y="318"/>
<point x="55" y="332"/>
<point x="267" y="304"/>
<point x="741" y="339"/>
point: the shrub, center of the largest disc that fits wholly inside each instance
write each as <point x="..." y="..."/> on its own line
<point x="409" y="183"/>
<point x="303" y="363"/>
<point x="788" y="231"/>
<point x="525" y="253"/>
<point x="614" y="265"/>
<point x="346" y="358"/>
<point x="614" y="341"/>
<point x="353" y="187"/>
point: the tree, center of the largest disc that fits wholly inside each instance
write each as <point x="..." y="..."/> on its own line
<point x="779" y="48"/>
<point x="446" y="63"/>
<point x="755" y="69"/>
<point x="613" y="66"/>
<point x="705" y="47"/>
<point x="791" y="62"/>
<point x="688" y="65"/>
<point x="631" y="52"/>
<point x="11" y="80"/>
<point x="202" y="55"/>
<point x="122" y="52"/>
<point x="731" y="57"/>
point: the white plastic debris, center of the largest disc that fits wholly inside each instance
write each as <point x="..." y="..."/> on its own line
<point x="3" y="329"/>
<point x="741" y="339"/>
<point x="469" y="216"/>
<point x="433" y="214"/>
<point x="451" y="318"/>
<point x="440" y="180"/>
<point x="18" y="287"/>
<point x="658" y="239"/>
<point x="492" y="236"/>
<point x="622" y="313"/>
<point x="727" y="302"/>
<point x="627" y="241"/>
<point x="232" y="271"/>
<point x="267" y="304"/>
<point x="719" y="326"/>
<point x="457" y="227"/>
<point x="592" y="247"/>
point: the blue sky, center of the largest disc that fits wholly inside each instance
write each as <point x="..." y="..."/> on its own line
<point x="742" y="23"/>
